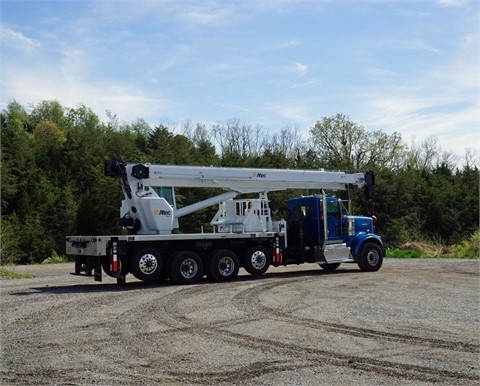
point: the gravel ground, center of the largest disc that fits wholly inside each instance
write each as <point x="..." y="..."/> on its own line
<point x="414" y="322"/>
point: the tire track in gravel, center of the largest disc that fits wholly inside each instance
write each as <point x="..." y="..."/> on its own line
<point x="114" y="313"/>
<point x="95" y="316"/>
<point x="73" y="301"/>
<point x="169" y="310"/>
<point x="248" y="300"/>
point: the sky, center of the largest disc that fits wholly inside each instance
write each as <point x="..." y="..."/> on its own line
<point x="408" y="66"/>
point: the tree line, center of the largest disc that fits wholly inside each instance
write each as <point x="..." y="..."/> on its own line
<point x="52" y="181"/>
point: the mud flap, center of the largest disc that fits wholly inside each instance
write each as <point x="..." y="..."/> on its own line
<point x="122" y="257"/>
<point x="115" y="264"/>
<point x="97" y="272"/>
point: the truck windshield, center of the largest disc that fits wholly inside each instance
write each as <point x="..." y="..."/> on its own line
<point x="333" y="209"/>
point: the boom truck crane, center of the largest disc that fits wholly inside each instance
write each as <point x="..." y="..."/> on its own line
<point x="319" y="228"/>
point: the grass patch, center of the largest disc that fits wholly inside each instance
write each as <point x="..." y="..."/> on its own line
<point x="416" y="250"/>
<point x="424" y="250"/>
<point x="400" y="253"/>
<point x="7" y="274"/>
<point x="468" y="248"/>
<point x="462" y="254"/>
<point x="55" y="260"/>
<point x="405" y="254"/>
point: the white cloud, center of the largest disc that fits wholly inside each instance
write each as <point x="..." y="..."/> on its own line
<point x="32" y="87"/>
<point x="17" y="40"/>
<point x="453" y="3"/>
<point x="216" y="17"/>
<point x="418" y="45"/>
<point x="299" y="68"/>
<point x="441" y="101"/>
<point x="453" y="122"/>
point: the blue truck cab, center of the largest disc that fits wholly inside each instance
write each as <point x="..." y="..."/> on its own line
<point x="320" y="229"/>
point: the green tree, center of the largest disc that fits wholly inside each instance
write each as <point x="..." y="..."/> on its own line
<point x="17" y="155"/>
<point x="399" y="201"/>
<point x="307" y="158"/>
<point x="204" y="149"/>
<point x="98" y="207"/>
<point x="49" y="142"/>
<point x="51" y="111"/>
<point x="84" y="148"/>
<point x="342" y="144"/>
<point x="451" y="204"/>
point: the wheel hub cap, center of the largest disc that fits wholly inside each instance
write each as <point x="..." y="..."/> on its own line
<point x="226" y="266"/>
<point x="258" y="259"/>
<point x="373" y="258"/>
<point x="148" y="264"/>
<point x="188" y="268"/>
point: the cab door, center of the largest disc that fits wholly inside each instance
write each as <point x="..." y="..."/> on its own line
<point x="304" y="222"/>
<point x="335" y="222"/>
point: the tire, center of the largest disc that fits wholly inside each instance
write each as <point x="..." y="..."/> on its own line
<point x="371" y="257"/>
<point x="186" y="267"/>
<point x="146" y="264"/>
<point x="223" y="265"/>
<point x="330" y="267"/>
<point x="256" y="260"/>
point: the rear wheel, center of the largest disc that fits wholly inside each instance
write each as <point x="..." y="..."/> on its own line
<point x="256" y="260"/>
<point x="223" y="265"/>
<point x="146" y="264"/>
<point x="371" y="257"/>
<point x="186" y="267"/>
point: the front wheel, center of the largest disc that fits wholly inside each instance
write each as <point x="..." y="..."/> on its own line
<point x="371" y="257"/>
<point x="257" y="260"/>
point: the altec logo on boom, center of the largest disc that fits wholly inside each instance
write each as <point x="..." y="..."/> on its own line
<point x="259" y="175"/>
<point x="161" y="212"/>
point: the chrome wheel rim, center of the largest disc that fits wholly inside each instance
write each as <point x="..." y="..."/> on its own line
<point x="226" y="266"/>
<point x="188" y="268"/>
<point x="258" y="259"/>
<point x="148" y="264"/>
<point x="373" y="258"/>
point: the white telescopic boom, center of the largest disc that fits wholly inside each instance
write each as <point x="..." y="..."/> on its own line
<point x="242" y="180"/>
